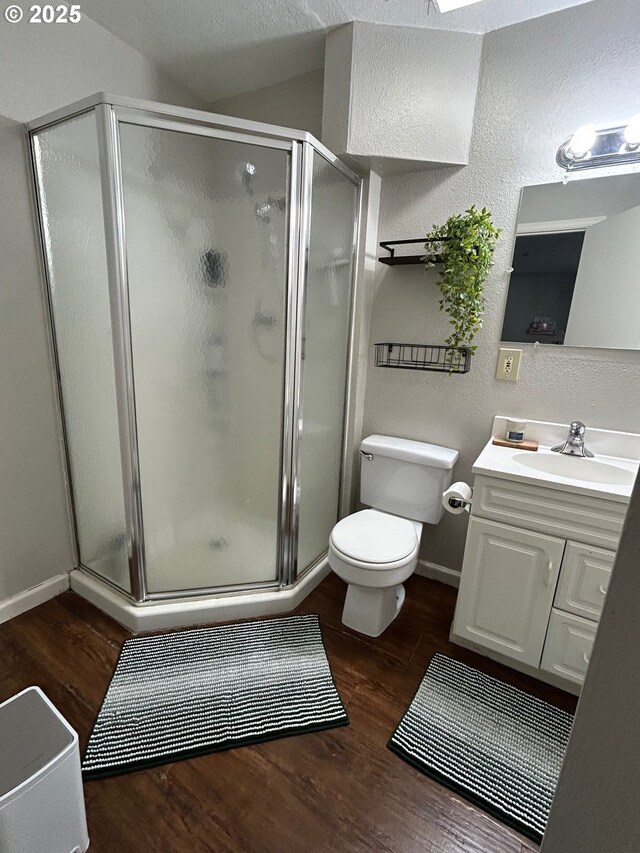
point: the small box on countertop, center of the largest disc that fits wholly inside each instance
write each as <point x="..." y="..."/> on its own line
<point x="514" y="431"/>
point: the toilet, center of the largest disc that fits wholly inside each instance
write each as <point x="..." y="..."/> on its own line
<point x="376" y="550"/>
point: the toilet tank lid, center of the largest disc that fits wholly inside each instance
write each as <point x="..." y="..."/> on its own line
<point x="410" y="451"/>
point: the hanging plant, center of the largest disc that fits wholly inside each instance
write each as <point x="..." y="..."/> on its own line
<point x="464" y="245"/>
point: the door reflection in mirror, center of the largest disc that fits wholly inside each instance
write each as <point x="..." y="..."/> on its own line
<point x="576" y="265"/>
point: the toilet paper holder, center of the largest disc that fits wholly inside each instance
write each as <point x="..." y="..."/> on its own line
<point x="458" y="498"/>
<point x="457" y="503"/>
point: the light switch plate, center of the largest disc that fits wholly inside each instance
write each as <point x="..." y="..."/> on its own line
<point x="508" y="364"/>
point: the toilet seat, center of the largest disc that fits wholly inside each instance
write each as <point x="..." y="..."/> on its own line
<point x="375" y="538"/>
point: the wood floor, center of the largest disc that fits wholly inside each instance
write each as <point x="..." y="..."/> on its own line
<point x="337" y="790"/>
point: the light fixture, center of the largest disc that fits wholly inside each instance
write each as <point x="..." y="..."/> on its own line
<point x="581" y="141"/>
<point x="589" y="148"/>
<point x="450" y="5"/>
<point x="632" y="133"/>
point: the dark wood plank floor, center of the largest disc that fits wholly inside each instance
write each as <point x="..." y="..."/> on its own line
<point x="337" y="790"/>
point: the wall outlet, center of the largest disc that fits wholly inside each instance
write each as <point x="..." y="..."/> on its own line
<point x="508" y="364"/>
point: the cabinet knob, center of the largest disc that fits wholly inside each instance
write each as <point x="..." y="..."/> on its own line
<point x="602" y="588"/>
<point x="549" y="573"/>
<point x="585" y="657"/>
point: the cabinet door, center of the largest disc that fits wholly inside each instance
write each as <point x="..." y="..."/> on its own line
<point x="567" y="649"/>
<point x="584" y="579"/>
<point x="507" y="586"/>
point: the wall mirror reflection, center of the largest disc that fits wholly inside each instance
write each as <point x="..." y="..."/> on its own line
<point x="576" y="265"/>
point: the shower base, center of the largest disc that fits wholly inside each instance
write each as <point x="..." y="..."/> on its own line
<point x="198" y="610"/>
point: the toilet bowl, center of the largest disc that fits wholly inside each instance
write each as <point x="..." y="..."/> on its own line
<point x="375" y="550"/>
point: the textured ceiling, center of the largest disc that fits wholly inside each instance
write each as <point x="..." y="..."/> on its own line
<point x="219" y="48"/>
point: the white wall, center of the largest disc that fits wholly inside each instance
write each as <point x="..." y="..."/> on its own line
<point x="295" y="103"/>
<point x="336" y="100"/>
<point x="595" y="808"/>
<point x="606" y="297"/>
<point x="46" y="66"/>
<point x="539" y="81"/>
<point x="42" y="67"/>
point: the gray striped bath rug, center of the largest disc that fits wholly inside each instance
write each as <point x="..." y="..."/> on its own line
<point x="187" y="693"/>
<point x="499" y="747"/>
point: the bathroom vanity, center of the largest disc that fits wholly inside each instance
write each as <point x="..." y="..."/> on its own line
<point x="540" y="547"/>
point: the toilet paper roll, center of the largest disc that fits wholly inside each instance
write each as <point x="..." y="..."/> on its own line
<point x="457" y="492"/>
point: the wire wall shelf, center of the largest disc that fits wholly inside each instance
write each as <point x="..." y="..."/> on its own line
<point x="442" y="359"/>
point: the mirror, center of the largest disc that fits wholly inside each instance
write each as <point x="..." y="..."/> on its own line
<point x="576" y="265"/>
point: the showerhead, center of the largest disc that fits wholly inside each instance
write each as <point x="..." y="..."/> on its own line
<point x="244" y="174"/>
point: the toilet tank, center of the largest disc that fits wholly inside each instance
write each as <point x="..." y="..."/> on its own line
<point x="406" y="478"/>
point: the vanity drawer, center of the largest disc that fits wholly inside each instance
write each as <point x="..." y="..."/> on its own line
<point x="584" y="578"/>
<point x="567" y="648"/>
<point x="583" y="518"/>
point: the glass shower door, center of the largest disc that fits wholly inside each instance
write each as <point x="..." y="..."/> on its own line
<point x="206" y="231"/>
<point x="331" y="258"/>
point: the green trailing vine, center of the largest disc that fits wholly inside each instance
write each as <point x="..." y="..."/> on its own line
<point x="464" y="245"/>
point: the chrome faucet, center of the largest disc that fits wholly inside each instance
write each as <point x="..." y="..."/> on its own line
<point x="574" y="442"/>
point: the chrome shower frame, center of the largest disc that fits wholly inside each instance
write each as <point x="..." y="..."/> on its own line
<point x="112" y="111"/>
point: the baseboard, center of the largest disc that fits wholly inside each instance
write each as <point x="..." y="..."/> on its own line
<point x="438" y="573"/>
<point x="24" y="601"/>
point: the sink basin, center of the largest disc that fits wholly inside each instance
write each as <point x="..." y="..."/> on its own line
<point x="575" y="468"/>
<point x="609" y="475"/>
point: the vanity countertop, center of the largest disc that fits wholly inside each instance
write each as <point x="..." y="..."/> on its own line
<point x="606" y="475"/>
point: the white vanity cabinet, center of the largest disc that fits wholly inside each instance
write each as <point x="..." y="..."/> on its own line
<point x="535" y="573"/>
<point x="508" y="583"/>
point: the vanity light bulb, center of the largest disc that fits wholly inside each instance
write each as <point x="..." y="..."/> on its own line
<point x="631" y="132"/>
<point x="581" y="141"/>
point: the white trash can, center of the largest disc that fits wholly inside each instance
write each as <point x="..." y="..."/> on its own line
<point x="41" y="799"/>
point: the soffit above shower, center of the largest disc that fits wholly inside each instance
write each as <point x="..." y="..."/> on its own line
<point x="224" y="48"/>
<point x="419" y="116"/>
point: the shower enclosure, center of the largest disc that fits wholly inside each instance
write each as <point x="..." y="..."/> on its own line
<point x="200" y="274"/>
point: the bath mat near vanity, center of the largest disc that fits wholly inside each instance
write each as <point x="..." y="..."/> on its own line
<point x="192" y="692"/>
<point x="495" y="745"/>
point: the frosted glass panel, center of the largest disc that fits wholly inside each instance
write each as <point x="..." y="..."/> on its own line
<point x="329" y="284"/>
<point x="206" y="223"/>
<point x="67" y="156"/>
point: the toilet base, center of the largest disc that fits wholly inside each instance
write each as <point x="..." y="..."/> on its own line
<point x="371" y="610"/>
